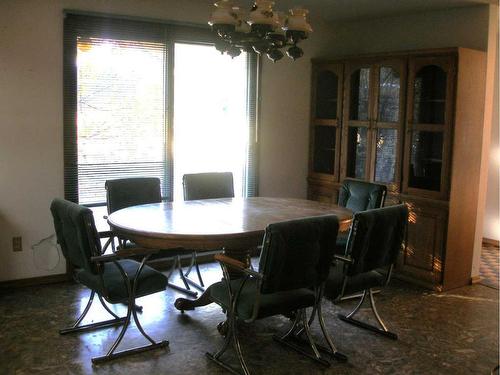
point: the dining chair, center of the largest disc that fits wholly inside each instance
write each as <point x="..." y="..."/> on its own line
<point x="111" y="278"/>
<point x="293" y="267"/>
<point x="209" y="185"/>
<point x="127" y="192"/>
<point x="373" y="245"/>
<point x="358" y="196"/>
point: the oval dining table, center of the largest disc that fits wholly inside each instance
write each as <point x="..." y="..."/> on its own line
<point x="235" y="225"/>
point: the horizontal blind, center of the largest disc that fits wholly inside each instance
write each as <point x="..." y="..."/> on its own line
<point x="115" y="125"/>
<point x="251" y="180"/>
<point x="117" y="103"/>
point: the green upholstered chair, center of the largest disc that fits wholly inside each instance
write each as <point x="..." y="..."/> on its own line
<point x="127" y="192"/>
<point x="373" y="245"/>
<point x="358" y="196"/>
<point x="112" y="278"/>
<point x="210" y="185"/>
<point x="293" y="267"/>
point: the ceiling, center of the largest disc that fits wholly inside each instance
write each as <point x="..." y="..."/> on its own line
<point x="335" y="10"/>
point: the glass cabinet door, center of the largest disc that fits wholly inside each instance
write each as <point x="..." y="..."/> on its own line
<point x="325" y="125"/>
<point x="388" y="123"/>
<point x="357" y="117"/>
<point x="429" y="126"/>
<point x="372" y="127"/>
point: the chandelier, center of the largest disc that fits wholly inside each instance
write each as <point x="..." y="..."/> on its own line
<point x="262" y="29"/>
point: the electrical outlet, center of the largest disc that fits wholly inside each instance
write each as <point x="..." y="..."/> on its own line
<point x="17" y="244"/>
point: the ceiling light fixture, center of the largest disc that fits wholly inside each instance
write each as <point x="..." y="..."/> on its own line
<point x="262" y="30"/>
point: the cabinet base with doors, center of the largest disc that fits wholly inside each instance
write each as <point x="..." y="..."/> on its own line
<point x="413" y="121"/>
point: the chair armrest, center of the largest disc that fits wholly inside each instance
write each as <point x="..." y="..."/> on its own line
<point x="237" y="265"/>
<point x="343" y="259"/>
<point x="105" y="258"/>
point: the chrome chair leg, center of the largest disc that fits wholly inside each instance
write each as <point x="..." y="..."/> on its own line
<point x="232" y="335"/>
<point x="76" y="327"/>
<point x="194" y="263"/>
<point x="293" y="334"/>
<point x="176" y="265"/>
<point x="131" y="312"/>
<point x="382" y="331"/>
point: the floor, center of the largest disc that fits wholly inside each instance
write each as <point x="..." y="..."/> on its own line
<point x="490" y="266"/>
<point x="449" y="333"/>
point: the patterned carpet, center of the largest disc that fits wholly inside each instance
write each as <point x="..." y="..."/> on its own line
<point x="490" y="265"/>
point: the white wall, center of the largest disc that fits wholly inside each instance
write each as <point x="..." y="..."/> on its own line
<point x="31" y="117"/>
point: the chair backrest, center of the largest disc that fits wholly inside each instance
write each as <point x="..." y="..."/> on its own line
<point x="375" y="238"/>
<point x="208" y="185"/>
<point x="298" y="253"/>
<point x="127" y="192"/>
<point x="76" y="233"/>
<point x="360" y="195"/>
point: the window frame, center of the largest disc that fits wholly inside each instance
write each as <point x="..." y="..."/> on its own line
<point x="76" y="23"/>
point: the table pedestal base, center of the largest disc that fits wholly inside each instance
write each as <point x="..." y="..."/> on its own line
<point x="182" y="304"/>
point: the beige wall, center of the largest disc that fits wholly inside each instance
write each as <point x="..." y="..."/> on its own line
<point x="461" y="27"/>
<point x="491" y="219"/>
<point x="31" y="118"/>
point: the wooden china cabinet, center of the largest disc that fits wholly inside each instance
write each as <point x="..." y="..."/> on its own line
<point x="412" y="121"/>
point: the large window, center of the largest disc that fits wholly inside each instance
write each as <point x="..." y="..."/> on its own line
<point x="147" y="99"/>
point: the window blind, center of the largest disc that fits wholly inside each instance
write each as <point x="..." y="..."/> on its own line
<point x="117" y="100"/>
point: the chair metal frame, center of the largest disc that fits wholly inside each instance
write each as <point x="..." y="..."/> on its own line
<point x="176" y="259"/>
<point x="349" y="318"/>
<point x="194" y="263"/>
<point x="99" y="259"/>
<point x="299" y="325"/>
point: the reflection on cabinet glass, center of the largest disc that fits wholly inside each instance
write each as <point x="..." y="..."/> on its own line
<point x="326" y="95"/>
<point x="426" y="160"/>
<point x="324" y="149"/>
<point x="388" y="97"/>
<point x="360" y="88"/>
<point x="357" y="143"/>
<point x="429" y="95"/>
<point x="386" y="153"/>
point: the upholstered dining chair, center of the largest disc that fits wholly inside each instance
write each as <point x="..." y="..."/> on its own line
<point x="373" y="245"/>
<point x="294" y="264"/>
<point x="358" y="196"/>
<point x="110" y="277"/>
<point x="209" y="185"/>
<point x="127" y="192"/>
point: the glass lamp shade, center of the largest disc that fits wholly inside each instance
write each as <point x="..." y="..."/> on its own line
<point x="223" y="14"/>
<point x="297" y="21"/>
<point x="262" y="13"/>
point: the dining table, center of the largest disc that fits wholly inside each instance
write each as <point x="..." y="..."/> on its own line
<point x="234" y="225"/>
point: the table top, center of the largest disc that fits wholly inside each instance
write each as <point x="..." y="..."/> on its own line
<point x="213" y="223"/>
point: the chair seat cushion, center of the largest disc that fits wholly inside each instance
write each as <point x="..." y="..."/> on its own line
<point x="355" y="284"/>
<point x="270" y="304"/>
<point x="113" y="286"/>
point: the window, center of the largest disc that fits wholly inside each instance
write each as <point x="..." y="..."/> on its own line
<point x="130" y="86"/>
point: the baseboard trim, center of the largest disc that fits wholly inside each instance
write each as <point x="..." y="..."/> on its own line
<point x="475" y="279"/>
<point x="491" y="242"/>
<point x="33" y="281"/>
